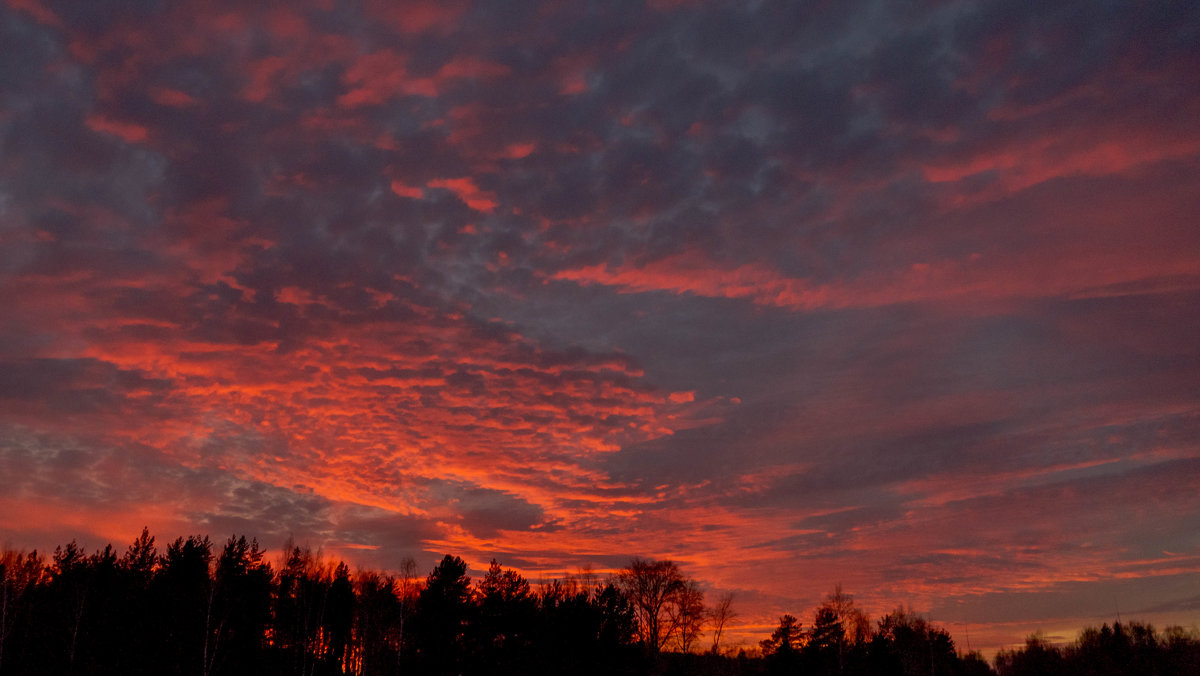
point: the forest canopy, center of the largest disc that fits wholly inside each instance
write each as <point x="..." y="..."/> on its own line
<point x="195" y="607"/>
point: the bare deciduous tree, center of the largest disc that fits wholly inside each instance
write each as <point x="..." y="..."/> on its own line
<point x="650" y="587"/>
<point x="720" y="615"/>
<point x="687" y="616"/>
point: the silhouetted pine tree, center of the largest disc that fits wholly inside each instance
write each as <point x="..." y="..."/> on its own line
<point x="182" y="591"/>
<point x="445" y="608"/>
<point x="239" y="609"/>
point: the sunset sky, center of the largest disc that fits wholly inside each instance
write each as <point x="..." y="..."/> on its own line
<point x="901" y="295"/>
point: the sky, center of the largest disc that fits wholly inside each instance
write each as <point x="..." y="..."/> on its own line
<point x="899" y="295"/>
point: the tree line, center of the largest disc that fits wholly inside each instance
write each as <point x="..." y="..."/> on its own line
<point x="842" y="640"/>
<point x="1123" y="648"/>
<point x="202" y="609"/>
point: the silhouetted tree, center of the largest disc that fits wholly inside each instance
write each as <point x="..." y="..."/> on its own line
<point x="856" y="625"/>
<point x="651" y="586"/>
<point x="378" y="616"/>
<point x="1036" y="658"/>
<point x="20" y="574"/>
<point x="139" y="621"/>
<point x="505" y="621"/>
<point x="826" y="647"/>
<point x="301" y="602"/>
<point x="916" y="645"/>
<point x="839" y="636"/>
<point x="615" y="619"/>
<point x="686" y="613"/>
<point x="338" y="622"/>
<point x="67" y="591"/>
<point x="182" y="590"/>
<point x="408" y="590"/>
<point x="444" y="609"/>
<point x="584" y="631"/>
<point x="1117" y="650"/>
<point x="782" y="649"/>
<point x="239" y="609"/>
<point x="104" y="640"/>
<point x="973" y="664"/>
<point x="140" y="560"/>
<point x="719" y="615"/>
<point x="1181" y="650"/>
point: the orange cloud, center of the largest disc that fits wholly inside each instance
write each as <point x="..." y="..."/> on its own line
<point x="468" y="192"/>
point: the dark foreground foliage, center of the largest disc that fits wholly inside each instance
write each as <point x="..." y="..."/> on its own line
<point x="196" y="608"/>
<point x="1132" y="648"/>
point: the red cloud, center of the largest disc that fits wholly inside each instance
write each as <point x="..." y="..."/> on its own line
<point x="376" y="77"/>
<point x="468" y="192"/>
<point x="1024" y="164"/>
<point x="403" y="190"/>
<point x="420" y="16"/>
<point x="692" y="273"/>
<point x="126" y="131"/>
<point x="171" y="97"/>
<point x="974" y="279"/>
<point x="37" y="10"/>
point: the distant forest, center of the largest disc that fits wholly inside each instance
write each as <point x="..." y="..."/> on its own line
<point x="200" y="609"/>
